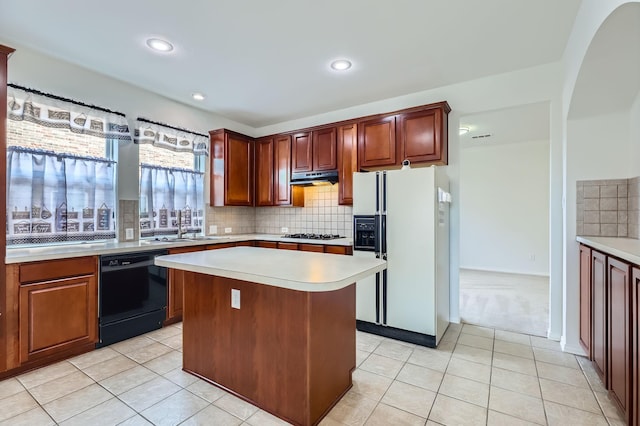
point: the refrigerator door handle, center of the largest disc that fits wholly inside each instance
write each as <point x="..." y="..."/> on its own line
<point x="383" y="236"/>
<point x="377" y="193"/>
<point x="384" y="192"/>
<point x="378" y="298"/>
<point x="384" y="297"/>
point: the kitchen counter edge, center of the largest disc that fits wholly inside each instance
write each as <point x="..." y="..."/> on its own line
<point x="34" y="254"/>
<point x="625" y="248"/>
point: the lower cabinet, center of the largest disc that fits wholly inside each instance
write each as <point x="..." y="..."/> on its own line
<point x="51" y="311"/>
<point x="57" y="315"/>
<point x="175" y="287"/>
<point x="610" y="319"/>
<point x="635" y="346"/>
<point x="599" y="313"/>
<point x="619" y="336"/>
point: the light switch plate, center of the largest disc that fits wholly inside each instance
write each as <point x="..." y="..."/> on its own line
<point x="235" y="298"/>
<point x="128" y="233"/>
<point x="227" y="230"/>
<point x="213" y="229"/>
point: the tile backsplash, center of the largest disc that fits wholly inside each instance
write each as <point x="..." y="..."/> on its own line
<point x="321" y="214"/>
<point x="608" y="208"/>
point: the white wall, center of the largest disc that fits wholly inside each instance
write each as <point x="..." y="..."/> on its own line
<point x="504" y="211"/>
<point x="594" y="148"/>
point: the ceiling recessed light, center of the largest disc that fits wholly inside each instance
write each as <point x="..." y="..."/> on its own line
<point x="341" y="65"/>
<point x="159" y="45"/>
<point x="464" y="130"/>
<point x="198" y="96"/>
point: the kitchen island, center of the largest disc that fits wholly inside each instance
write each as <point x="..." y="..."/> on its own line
<point x="274" y="327"/>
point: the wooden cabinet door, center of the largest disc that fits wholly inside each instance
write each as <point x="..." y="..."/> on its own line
<point x="377" y="142"/>
<point x="347" y="161"/>
<point x="599" y="314"/>
<point x="264" y="172"/>
<point x="301" y="152"/>
<point x="282" y="170"/>
<point x="324" y="149"/>
<point x="57" y="316"/>
<point x="421" y="136"/>
<point x="175" y="287"/>
<point x="238" y="170"/>
<point x="619" y="335"/>
<point x="585" y="299"/>
<point x="635" y="345"/>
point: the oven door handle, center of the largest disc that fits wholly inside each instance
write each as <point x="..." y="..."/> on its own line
<point x="124" y="266"/>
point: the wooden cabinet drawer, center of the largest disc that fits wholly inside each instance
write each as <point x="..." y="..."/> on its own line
<point x="311" y="247"/>
<point x="267" y="244"/>
<point x="220" y="246"/>
<point x="55" y="269"/>
<point x="245" y="244"/>
<point x="288" y="246"/>
<point x="338" y="249"/>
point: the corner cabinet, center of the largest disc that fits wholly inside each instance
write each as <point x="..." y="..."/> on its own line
<point x="231" y="169"/>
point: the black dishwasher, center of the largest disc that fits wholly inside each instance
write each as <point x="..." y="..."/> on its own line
<point x="132" y="297"/>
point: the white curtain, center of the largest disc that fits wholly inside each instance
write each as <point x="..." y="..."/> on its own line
<point x="49" y="112"/>
<point x="170" y="138"/>
<point x="58" y="197"/>
<point x="164" y="191"/>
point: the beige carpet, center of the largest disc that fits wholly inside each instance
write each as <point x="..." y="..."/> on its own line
<point x="511" y="302"/>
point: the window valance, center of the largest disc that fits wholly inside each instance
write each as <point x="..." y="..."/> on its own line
<point x="170" y="137"/>
<point x="53" y="111"/>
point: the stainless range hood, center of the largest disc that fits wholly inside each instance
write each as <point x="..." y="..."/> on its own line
<point x="314" y="178"/>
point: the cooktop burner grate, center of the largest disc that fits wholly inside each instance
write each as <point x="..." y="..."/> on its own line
<point x="313" y="236"/>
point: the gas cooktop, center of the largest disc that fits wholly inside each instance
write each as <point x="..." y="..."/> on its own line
<point x="313" y="236"/>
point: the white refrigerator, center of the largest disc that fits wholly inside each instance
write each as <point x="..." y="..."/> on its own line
<point x="403" y="216"/>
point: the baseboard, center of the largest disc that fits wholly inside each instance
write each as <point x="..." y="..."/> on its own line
<point x="554" y="336"/>
<point x="576" y="350"/>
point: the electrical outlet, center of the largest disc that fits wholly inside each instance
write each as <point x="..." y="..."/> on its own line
<point x="128" y="233"/>
<point x="235" y="298"/>
<point x="532" y="257"/>
<point x="213" y="229"/>
<point x="227" y="230"/>
<point x="284" y="229"/>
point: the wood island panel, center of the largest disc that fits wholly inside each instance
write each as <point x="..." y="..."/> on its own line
<point x="278" y="350"/>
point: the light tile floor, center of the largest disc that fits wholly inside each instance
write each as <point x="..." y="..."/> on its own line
<point x="477" y="376"/>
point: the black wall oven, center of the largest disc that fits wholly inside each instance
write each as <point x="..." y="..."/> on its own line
<point x="132" y="297"/>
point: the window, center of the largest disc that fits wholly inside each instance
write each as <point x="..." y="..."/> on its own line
<point x="60" y="174"/>
<point x="171" y="179"/>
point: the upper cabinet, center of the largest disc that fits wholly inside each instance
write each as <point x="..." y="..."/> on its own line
<point x="419" y="135"/>
<point x="302" y="151"/>
<point x="347" y="161"/>
<point x="231" y="169"/>
<point x="324" y="149"/>
<point x="314" y="151"/>
<point x="422" y="135"/>
<point x="377" y="141"/>
<point x="273" y="171"/>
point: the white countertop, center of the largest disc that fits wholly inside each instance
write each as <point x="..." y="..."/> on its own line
<point x="39" y="253"/>
<point x="624" y="248"/>
<point x="295" y="270"/>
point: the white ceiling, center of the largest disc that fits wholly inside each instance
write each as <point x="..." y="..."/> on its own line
<point x="264" y="62"/>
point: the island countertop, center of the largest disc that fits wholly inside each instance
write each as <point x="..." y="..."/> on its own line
<point x="294" y="270"/>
